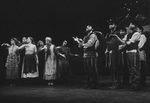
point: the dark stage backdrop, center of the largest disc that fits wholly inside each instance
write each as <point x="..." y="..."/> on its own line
<point x="59" y="19"/>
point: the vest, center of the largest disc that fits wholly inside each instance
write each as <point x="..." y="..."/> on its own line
<point x="89" y="52"/>
<point x="89" y="49"/>
<point x="132" y="46"/>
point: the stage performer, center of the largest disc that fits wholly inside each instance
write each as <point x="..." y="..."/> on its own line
<point x="112" y="55"/>
<point x="90" y="43"/>
<point x="51" y="72"/>
<point x="123" y="59"/>
<point x="30" y="61"/>
<point x="133" y="61"/>
<point x="13" y="59"/>
<point x="64" y="62"/>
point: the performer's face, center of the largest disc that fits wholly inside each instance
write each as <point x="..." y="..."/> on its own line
<point x="64" y="43"/>
<point x="12" y="42"/>
<point x="128" y="30"/>
<point x="41" y="43"/>
<point x="122" y="32"/>
<point x="24" y="39"/>
<point x="112" y="26"/>
<point x="29" y="40"/>
<point x="88" y="28"/>
<point x="47" y="42"/>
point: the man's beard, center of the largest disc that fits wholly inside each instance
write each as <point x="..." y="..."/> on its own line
<point x="112" y="28"/>
<point x="88" y="31"/>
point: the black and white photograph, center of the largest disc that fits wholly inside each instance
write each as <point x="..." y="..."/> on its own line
<point x="74" y="51"/>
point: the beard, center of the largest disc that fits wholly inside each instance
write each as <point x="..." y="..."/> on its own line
<point x="112" y="28"/>
<point x="88" y="31"/>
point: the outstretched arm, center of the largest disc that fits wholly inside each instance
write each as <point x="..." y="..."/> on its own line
<point x="71" y="54"/>
<point x="5" y="44"/>
<point x="41" y="48"/>
<point x="121" y="41"/>
<point x="22" y="46"/>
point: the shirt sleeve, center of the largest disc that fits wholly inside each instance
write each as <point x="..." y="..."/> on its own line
<point x="90" y="42"/>
<point x="135" y="37"/>
<point x="142" y="41"/>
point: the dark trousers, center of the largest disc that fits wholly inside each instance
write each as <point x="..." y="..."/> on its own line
<point x="123" y="67"/>
<point x="133" y="63"/>
<point x="114" y="68"/>
<point x="125" y="75"/>
<point x="90" y="65"/>
<point x="143" y="73"/>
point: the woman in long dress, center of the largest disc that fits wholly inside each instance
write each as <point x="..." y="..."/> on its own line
<point x="12" y="70"/>
<point x="64" y="62"/>
<point x="30" y="61"/>
<point x="51" y="71"/>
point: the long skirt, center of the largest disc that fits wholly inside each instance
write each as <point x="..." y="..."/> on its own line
<point x="63" y="67"/>
<point x="29" y="67"/>
<point x="12" y="70"/>
<point x="51" y="70"/>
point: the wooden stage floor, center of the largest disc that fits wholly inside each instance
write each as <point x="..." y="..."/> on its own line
<point x="72" y="91"/>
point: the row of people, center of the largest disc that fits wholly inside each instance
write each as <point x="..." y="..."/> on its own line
<point x="47" y="61"/>
<point x="124" y="55"/>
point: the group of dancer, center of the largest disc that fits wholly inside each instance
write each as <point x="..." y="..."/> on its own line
<point x="45" y="61"/>
<point x="125" y="57"/>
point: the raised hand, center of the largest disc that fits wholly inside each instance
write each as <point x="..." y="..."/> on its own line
<point x="5" y="44"/>
<point x="2" y="44"/>
<point x="76" y="39"/>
